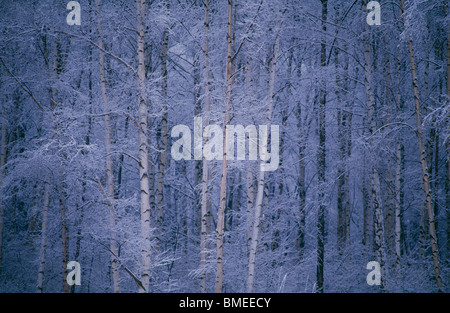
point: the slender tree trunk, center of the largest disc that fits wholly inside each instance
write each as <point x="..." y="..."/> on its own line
<point x="321" y="162"/>
<point x="301" y="182"/>
<point x="205" y="210"/>
<point x="342" y="143"/>
<point x="375" y="188"/>
<point x="118" y="190"/>
<point x="284" y="120"/>
<point x="108" y="160"/>
<point x="389" y="186"/>
<point x="64" y="232"/>
<point x="366" y="211"/>
<point x="198" y="163"/>
<point x="2" y="174"/>
<point x="143" y="152"/>
<point x="250" y="176"/>
<point x="399" y="174"/>
<point x="42" y="253"/>
<point x="347" y="117"/>
<point x="300" y="239"/>
<point x="398" y="203"/>
<point x="83" y="200"/>
<point x="303" y="129"/>
<point x="261" y="179"/>
<point x="223" y="183"/>
<point x="447" y="197"/>
<point x="390" y="207"/>
<point x="79" y="224"/>
<point x="250" y="186"/>
<point x="54" y="72"/>
<point x="423" y="161"/>
<point x="164" y="136"/>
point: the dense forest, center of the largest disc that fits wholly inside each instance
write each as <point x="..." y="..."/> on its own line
<point x="224" y="146"/>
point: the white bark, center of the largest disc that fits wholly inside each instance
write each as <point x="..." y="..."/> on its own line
<point x="205" y="211"/>
<point x="375" y="188"/>
<point x="108" y="159"/>
<point x="260" y="183"/>
<point x="423" y="160"/>
<point x="223" y="182"/>
<point x="250" y="177"/>
<point x="143" y="153"/>
<point x="164" y="136"/>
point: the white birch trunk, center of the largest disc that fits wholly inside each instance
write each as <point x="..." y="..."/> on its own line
<point x="108" y="159"/>
<point x="223" y="182"/>
<point x="375" y="188"/>
<point x="164" y="136"/>
<point x="260" y="183"/>
<point x="143" y="153"/>
<point x="250" y="177"/>
<point x="205" y="211"/>
<point x="423" y="160"/>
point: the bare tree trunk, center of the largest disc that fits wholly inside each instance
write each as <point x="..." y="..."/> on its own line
<point x="284" y="120"/>
<point x="300" y="240"/>
<point x="347" y="117"/>
<point x="223" y="183"/>
<point x="54" y="71"/>
<point x="205" y="210"/>
<point x="389" y="186"/>
<point x="342" y="154"/>
<point x="2" y="174"/>
<point x="250" y="186"/>
<point x="84" y="191"/>
<point x="398" y="203"/>
<point x="399" y="174"/>
<point x="143" y="152"/>
<point x="108" y="159"/>
<point x="303" y="129"/>
<point x="303" y="133"/>
<point x="390" y="208"/>
<point x="42" y="253"/>
<point x="64" y="232"/>
<point x="423" y="161"/>
<point x="198" y="163"/>
<point x="447" y="197"/>
<point x="321" y="162"/>
<point x="375" y="188"/>
<point x="61" y="192"/>
<point x="366" y="213"/>
<point x="250" y="177"/>
<point x="301" y="182"/>
<point x="261" y="179"/>
<point x="164" y="136"/>
<point x="79" y="222"/>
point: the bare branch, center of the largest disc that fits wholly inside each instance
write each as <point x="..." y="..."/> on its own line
<point x="25" y="88"/>
<point x="103" y="50"/>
